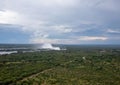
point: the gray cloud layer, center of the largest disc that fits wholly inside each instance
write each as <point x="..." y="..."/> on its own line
<point x="63" y="21"/>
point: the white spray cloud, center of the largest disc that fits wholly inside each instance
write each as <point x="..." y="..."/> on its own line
<point x="49" y="46"/>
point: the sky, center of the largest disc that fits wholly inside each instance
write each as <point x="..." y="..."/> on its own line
<point x="60" y="21"/>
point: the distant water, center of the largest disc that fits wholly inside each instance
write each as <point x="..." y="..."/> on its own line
<point x="7" y="52"/>
<point x="14" y="48"/>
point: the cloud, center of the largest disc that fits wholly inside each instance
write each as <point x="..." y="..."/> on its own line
<point x="8" y="17"/>
<point x="113" y="31"/>
<point x="89" y="38"/>
<point x="75" y="40"/>
<point x="61" y="21"/>
<point x="109" y="5"/>
<point x="54" y="41"/>
<point x="62" y="28"/>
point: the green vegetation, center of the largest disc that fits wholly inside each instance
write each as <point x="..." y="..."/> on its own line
<point x="70" y="67"/>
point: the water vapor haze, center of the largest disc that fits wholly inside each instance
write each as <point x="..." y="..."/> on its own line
<point x="47" y="46"/>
